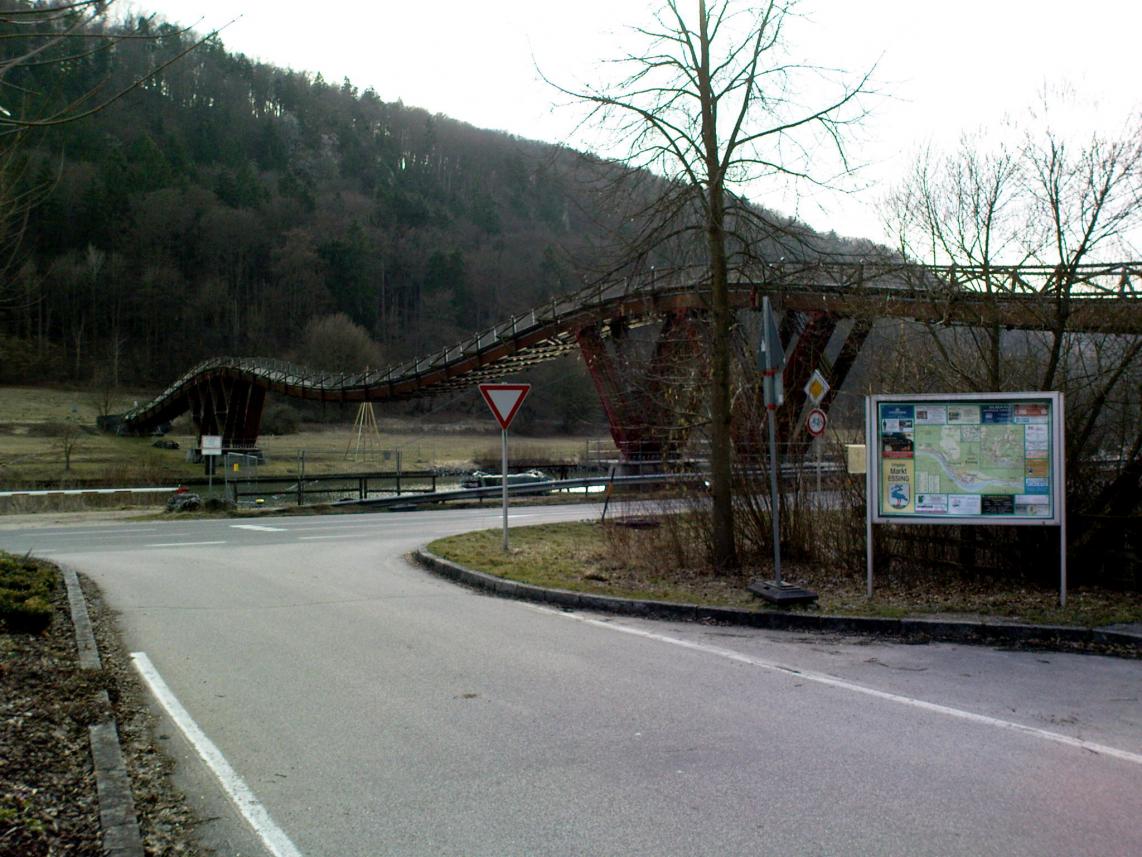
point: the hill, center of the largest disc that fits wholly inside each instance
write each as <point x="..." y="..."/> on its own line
<point x="224" y="205"/>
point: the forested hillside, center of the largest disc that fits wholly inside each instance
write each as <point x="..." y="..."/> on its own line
<point x="223" y="206"/>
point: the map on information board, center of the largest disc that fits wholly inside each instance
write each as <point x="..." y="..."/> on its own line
<point x="988" y="458"/>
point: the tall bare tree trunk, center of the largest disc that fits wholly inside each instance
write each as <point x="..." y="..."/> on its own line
<point x="725" y="552"/>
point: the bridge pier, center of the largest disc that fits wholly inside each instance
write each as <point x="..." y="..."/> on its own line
<point x="228" y="406"/>
<point x="652" y="403"/>
<point x="648" y="407"/>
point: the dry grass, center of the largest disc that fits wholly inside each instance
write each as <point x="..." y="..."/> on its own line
<point x="635" y="562"/>
<point x="37" y="421"/>
<point x="333" y="450"/>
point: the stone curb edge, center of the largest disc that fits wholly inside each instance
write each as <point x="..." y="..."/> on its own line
<point x="934" y="630"/>
<point x="121" y="837"/>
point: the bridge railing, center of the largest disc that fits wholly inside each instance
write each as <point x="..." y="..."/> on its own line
<point x="1094" y="281"/>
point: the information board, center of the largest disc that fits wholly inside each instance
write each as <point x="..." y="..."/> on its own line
<point x="993" y="458"/>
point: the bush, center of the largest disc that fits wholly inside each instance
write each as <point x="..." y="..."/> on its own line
<point x="278" y="418"/>
<point x="26" y="588"/>
<point x="184" y="503"/>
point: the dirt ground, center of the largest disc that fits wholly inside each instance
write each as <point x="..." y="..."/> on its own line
<point x="48" y="802"/>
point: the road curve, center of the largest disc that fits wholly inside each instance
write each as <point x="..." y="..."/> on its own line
<point x="374" y="709"/>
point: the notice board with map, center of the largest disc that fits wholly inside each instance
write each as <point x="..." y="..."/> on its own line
<point x="994" y="458"/>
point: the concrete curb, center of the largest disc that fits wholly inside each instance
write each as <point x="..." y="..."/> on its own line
<point x="117" y="817"/>
<point x="1063" y="637"/>
<point x="84" y="636"/>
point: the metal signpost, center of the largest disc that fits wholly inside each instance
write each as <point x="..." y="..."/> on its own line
<point x="504" y="401"/>
<point x="771" y="363"/>
<point x="983" y="458"/>
<point x="773" y="368"/>
<point x="815" y="424"/>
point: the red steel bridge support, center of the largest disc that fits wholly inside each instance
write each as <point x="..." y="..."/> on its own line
<point x="650" y="408"/>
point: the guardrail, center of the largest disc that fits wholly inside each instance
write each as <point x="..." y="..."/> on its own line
<point x="552" y="486"/>
<point x="71" y="492"/>
<point x="362" y="483"/>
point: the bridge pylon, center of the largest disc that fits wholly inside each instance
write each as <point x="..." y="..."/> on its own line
<point x="650" y="402"/>
<point x="227" y="405"/>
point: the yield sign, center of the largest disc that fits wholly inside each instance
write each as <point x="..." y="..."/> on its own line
<point x="504" y="400"/>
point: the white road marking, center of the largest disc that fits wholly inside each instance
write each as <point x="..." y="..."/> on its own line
<point x="334" y="536"/>
<point x="272" y="836"/>
<point x="183" y="544"/>
<point x="258" y="528"/>
<point x="363" y="525"/>
<point x="830" y="681"/>
<point x="117" y="532"/>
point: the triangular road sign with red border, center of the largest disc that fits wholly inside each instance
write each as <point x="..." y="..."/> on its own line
<point x="504" y="400"/>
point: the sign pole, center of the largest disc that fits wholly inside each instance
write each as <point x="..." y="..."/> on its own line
<point x="817" y="443"/>
<point x="1063" y="561"/>
<point x="504" y="481"/>
<point x="504" y="401"/>
<point x="771" y="360"/>
<point x="774" y="500"/>
<point x="1060" y="463"/>
<point x="773" y="365"/>
<point x="871" y="486"/>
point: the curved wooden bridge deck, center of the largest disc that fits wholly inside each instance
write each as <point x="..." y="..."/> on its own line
<point x="225" y="394"/>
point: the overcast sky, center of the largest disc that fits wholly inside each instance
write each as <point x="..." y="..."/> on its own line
<point x="947" y="67"/>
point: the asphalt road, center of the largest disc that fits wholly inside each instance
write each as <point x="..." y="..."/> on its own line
<point x="372" y="709"/>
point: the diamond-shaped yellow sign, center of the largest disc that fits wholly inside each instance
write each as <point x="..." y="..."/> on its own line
<point x="817" y="387"/>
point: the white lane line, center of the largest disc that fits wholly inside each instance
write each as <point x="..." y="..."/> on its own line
<point x="117" y="532"/>
<point x="830" y="681"/>
<point x="258" y="528"/>
<point x="272" y="836"/>
<point x="183" y="544"/>
<point x="335" y="536"/>
<point x="369" y="525"/>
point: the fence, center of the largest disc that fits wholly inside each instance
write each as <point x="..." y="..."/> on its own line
<point x="338" y="486"/>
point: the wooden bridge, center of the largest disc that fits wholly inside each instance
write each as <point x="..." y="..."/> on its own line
<point x="225" y="395"/>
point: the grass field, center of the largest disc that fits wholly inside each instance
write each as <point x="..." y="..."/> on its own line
<point x="41" y="427"/>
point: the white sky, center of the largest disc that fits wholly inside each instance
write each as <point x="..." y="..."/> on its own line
<point x="948" y="66"/>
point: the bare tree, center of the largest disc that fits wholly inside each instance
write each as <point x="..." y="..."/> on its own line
<point x="1046" y="217"/>
<point x="965" y="208"/>
<point x="1046" y="205"/>
<point x="712" y="103"/>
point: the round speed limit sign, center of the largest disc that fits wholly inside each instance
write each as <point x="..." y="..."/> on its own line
<point x="816" y="421"/>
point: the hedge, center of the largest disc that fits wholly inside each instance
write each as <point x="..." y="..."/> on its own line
<point x="26" y="590"/>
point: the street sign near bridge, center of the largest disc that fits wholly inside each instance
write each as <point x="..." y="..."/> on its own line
<point x="504" y="400"/>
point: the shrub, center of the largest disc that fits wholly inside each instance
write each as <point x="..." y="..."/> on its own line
<point x="26" y="588"/>
<point x="278" y="418"/>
